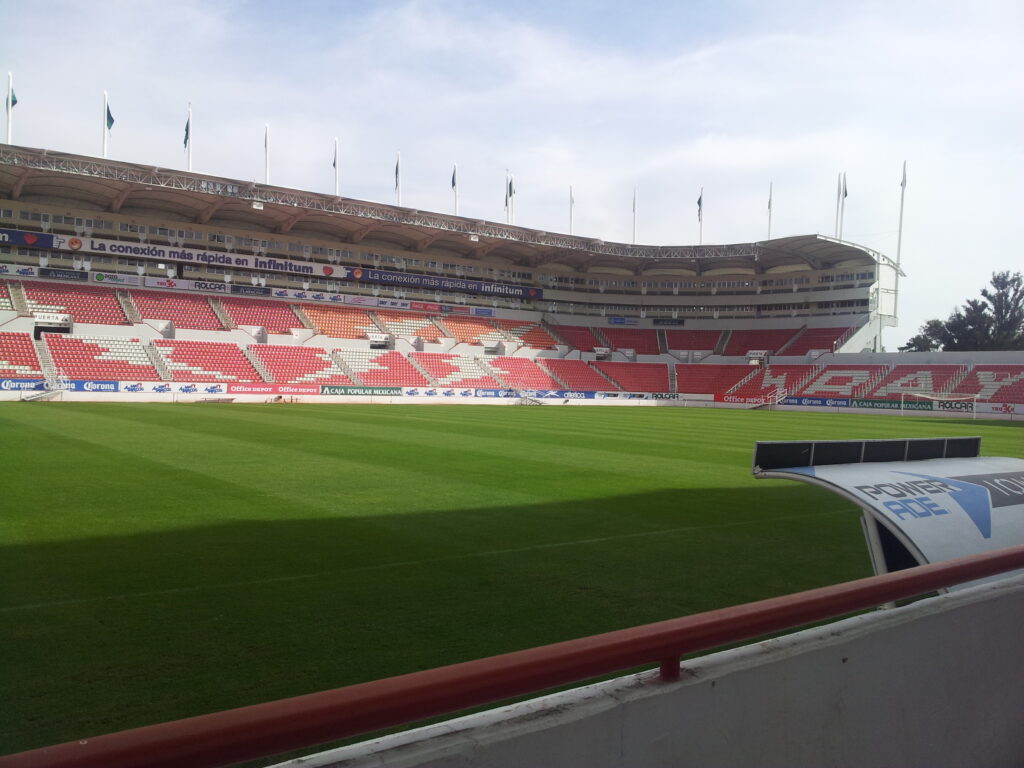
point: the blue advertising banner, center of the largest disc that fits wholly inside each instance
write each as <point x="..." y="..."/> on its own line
<point x="437" y="282"/>
<point x="825" y="402"/>
<point x="21" y="385"/>
<point x="623" y="321"/>
<point x="82" y="385"/>
<point x="27" y="239"/>
<point x="538" y="394"/>
<point x="63" y="274"/>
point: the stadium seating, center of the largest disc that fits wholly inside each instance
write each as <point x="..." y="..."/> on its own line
<point x="184" y="310"/>
<point x="843" y="380"/>
<point x="769" y="339"/>
<point x="709" y="379"/>
<point x="994" y="383"/>
<point x="773" y="381"/>
<point x="522" y="373"/>
<point x="579" y="337"/>
<point x="530" y="334"/>
<point x="381" y="369"/>
<point x="274" y="316"/>
<point x="408" y="324"/>
<point x="815" y="338"/>
<point x="109" y="358"/>
<point x="455" y="370"/>
<point x="340" y="322"/>
<point x="6" y="305"/>
<point x="299" y="365"/>
<point x="85" y="303"/>
<point x="692" y="340"/>
<point x="206" y="361"/>
<point x="904" y="379"/>
<point x="577" y="375"/>
<point x="644" y="341"/>
<point x="637" y="377"/>
<point x="472" y="330"/>
<point x="18" y="358"/>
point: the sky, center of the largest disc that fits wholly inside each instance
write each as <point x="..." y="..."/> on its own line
<point x="667" y="98"/>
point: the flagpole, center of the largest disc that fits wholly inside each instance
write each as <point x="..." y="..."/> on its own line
<point x="769" y="210"/>
<point x="842" y="208"/>
<point x="700" y="218"/>
<point x="106" y="108"/>
<point x="899" y="242"/>
<point x="337" y="173"/>
<point x="572" y="202"/>
<point x="455" y="186"/>
<point x="839" y="195"/>
<point x="266" y="153"/>
<point x="189" y="136"/>
<point x="398" y="178"/>
<point x="507" y="189"/>
<point x="512" y="197"/>
<point x="10" y="105"/>
<point x="634" y="215"/>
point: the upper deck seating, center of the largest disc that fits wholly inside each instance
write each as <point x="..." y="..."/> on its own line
<point x="815" y="338"/>
<point x="206" y="361"/>
<point x="579" y="337"/>
<point x="299" y="365"/>
<point x="18" y="358"/>
<point x="401" y="323"/>
<point x="472" y="330"/>
<point x="637" y="377"/>
<point x="843" y="380"/>
<point x="522" y="373"/>
<point x="577" y="375"/>
<point x="774" y="380"/>
<point x="274" y="316"/>
<point x="643" y="341"/>
<point x="692" y="340"/>
<point x="184" y="310"/>
<point x="529" y="333"/>
<point x="85" y="303"/>
<point x="994" y="383"/>
<point x="382" y="369"/>
<point x="768" y="339"/>
<point x="340" y="322"/>
<point x="909" y="379"/>
<point x="455" y="370"/>
<point x="114" y="358"/>
<point x="709" y="379"/>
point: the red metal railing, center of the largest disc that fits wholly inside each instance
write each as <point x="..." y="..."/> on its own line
<point x="247" y="733"/>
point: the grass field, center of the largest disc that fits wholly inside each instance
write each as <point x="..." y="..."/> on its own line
<point x="161" y="561"/>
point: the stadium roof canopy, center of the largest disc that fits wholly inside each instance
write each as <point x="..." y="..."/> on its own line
<point x="88" y="183"/>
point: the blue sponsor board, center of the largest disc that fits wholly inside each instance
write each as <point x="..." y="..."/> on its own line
<point x="623" y="321"/>
<point x="823" y="402"/>
<point x="21" y="385"/>
<point x="27" y="239"/>
<point x="83" y="385"/>
<point x="250" y="290"/>
<point x="538" y="394"/>
<point x="483" y="312"/>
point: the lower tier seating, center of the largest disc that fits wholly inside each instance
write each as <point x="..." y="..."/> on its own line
<point x="382" y="369"/>
<point x="637" y="377"/>
<point x="773" y="381"/>
<point x="910" y="379"/>
<point x="206" y="361"/>
<point x="18" y="358"/>
<point x="107" y="358"/>
<point x="994" y="383"/>
<point x="576" y="374"/>
<point x="709" y="379"/>
<point x="843" y="380"/>
<point x="299" y="365"/>
<point x="522" y="373"/>
<point x="455" y="370"/>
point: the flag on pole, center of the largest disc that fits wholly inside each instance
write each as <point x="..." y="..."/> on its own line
<point x="398" y="161"/>
<point x="844" y="185"/>
<point x="455" y="169"/>
<point x="334" y="162"/>
<point x="188" y="130"/>
<point x="700" y="206"/>
<point x="769" y="197"/>
<point x="903" y="183"/>
<point x="110" y="119"/>
<point x="12" y="100"/>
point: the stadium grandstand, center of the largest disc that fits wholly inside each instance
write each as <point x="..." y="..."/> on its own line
<point x="121" y="280"/>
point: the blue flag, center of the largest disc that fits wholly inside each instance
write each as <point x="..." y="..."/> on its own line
<point x="110" y="119"/>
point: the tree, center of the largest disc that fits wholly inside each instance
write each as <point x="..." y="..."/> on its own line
<point x="993" y="323"/>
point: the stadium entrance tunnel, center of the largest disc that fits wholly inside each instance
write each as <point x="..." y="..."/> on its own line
<point x="923" y="500"/>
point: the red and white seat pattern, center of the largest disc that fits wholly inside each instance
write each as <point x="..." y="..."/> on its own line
<point x="113" y="358"/>
<point x="408" y="324"/>
<point x="577" y="375"/>
<point x="709" y="379"/>
<point x="774" y="380"/>
<point x="769" y="339"/>
<point x="843" y="380"/>
<point x="692" y="340"/>
<point x="529" y="333"/>
<point x="637" y="377"/>
<point x="914" y="379"/>
<point x="6" y="305"/>
<point x="299" y="365"/>
<point x="380" y="369"/>
<point x="85" y="303"/>
<point x="205" y="361"/>
<point x="340" y="322"/>
<point x="522" y="373"/>
<point x="274" y="316"/>
<point x="643" y="341"/>
<point x="18" y="358"/>
<point x="184" y="310"/>
<point x="994" y="383"/>
<point x="472" y="330"/>
<point x="455" y="370"/>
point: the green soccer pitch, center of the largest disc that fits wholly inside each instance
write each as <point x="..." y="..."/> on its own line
<point x="163" y="561"/>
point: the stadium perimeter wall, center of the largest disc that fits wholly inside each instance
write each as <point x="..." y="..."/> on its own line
<point x="937" y="683"/>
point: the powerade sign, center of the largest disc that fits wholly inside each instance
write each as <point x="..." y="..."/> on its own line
<point x="821" y="402"/>
<point x="21" y="385"/>
<point x="15" y="237"/>
<point x="82" y="385"/>
<point x="438" y="283"/>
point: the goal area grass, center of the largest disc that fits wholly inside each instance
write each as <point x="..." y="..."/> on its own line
<point x="163" y="561"/>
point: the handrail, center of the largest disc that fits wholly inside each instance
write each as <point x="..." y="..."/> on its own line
<point x="263" y="730"/>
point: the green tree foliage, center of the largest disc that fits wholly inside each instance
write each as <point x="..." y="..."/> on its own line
<point x="995" y="322"/>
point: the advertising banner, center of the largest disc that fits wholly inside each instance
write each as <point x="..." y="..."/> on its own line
<point x="21" y="385"/>
<point x="15" y="237"/>
<point x="330" y="389"/>
<point x="115" y="278"/>
<point x="823" y="402"/>
<point x="668" y="321"/>
<point x="623" y="321"/>
<point x="483" y="312"/>
<point x="892" y="405"/>
<point x="1006" y="409"/>
<point x="388" y="303"/>
<point x="83" y="385"/>
<point x="273" y="389"/>
<point x="63" y="274"/>
<point x="439" y="392"/>
<point x="436" y="282"/>
<point x="11" y="269"/>
<point x="362" y="301"/>
<point x="319" y="296"/>
<point x="249" y="290"/>
<point x="147" y="387"/>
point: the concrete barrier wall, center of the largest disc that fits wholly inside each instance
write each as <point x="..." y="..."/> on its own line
<point x="937" y="683"/>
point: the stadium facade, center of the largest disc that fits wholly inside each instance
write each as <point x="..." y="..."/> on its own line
<point x="476" y="310"/>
